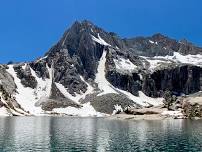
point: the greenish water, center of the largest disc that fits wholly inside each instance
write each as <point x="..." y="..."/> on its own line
<point x="98" y="134"/>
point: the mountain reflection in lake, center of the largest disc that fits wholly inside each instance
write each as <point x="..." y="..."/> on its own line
<point x="98" y="134"/>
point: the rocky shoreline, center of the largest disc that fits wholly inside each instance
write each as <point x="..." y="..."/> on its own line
<point x="187" y="107"/>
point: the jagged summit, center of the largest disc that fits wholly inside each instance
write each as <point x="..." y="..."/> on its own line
<point x="81" y="34"/>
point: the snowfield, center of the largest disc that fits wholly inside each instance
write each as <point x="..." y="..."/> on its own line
<point x="176" y="58"/>
<point x="27" y="97"/>
<point x="124" y="65"/>
<point x="189" y="59"/>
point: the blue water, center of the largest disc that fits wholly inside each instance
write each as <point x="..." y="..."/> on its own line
<point x="45" y="134"/>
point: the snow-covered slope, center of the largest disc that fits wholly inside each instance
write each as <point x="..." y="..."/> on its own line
<point x="101" y="80"/>
<point x="25" y="96"/>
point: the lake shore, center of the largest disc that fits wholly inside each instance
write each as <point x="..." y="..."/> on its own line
<point x="138" y="117"/>
<point x="153" y="113"/>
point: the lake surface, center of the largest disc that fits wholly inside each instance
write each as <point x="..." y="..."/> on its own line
<point x="98" y="134"/>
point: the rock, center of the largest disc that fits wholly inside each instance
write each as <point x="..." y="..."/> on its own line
<point x="143" y="111"/>
<point x="192" y="107"/>
<point x="106" y="103"/>
<point x="25" y="76"/>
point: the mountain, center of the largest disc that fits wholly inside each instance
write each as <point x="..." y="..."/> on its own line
<point x="91" y="72"/>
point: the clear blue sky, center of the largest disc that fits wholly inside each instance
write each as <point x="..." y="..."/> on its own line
<point x="28" y="28"/>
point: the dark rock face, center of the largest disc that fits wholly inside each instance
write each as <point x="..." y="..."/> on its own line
<point x="182" y="79"/>
<point x="7" y="81"/>
<point x="78" y="44"/>
<point x="40" y="68"/>
<point x="129" y="83"/>
<point x="25" y="76"/>
<point x="160" y="45"/>
<point x="65" y="72"/>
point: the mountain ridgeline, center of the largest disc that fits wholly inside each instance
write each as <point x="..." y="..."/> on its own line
<point x="93" y="72"/>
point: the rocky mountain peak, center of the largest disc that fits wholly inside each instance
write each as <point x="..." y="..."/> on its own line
<point x="159" y="36"/>
<point x="89" y="64"/>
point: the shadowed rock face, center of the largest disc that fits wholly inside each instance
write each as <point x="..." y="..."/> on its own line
<point x="25" y="76"/>
<point x="6" y="80"/>
<point x="182" y="79"/>
<point x="76" y="57"/>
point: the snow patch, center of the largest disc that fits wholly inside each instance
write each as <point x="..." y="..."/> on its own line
<point x="43" y="88"/>
<point x="172" y="113"/>
<point x="189" y="59"/>
<point x="154" y="63"/>
<point x="142" y="99"/>
<point x="152" y="42"/>
<point x="124" y="65"/>
<point x="99" y="40"/>
<point x="85" y="111"/>
<point x="41" y="58"/>
<point x="4" y="112"/>
<point x="117" y="108"/>
<point x="24" y="66"/>
<point x="67" y="95"/>
<point x="100" y="79"/>
<point x="27" y="97"/>
<point x="152" y="101"/>
<point x="77" y="96"/>
<point x="90" y="89"/>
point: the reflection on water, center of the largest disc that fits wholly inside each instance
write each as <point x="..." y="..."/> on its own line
<point x="98" y="134"/>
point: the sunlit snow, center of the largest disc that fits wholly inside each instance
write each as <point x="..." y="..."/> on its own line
<point x="99" y="40"/>
<point x="100" y="79"/>
<point x="27" y="97"/>
<point x="85" y="111"/>
<point x="124" y="65"/>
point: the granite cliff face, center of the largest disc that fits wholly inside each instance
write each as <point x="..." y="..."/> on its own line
<point x="91" y="72"/>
